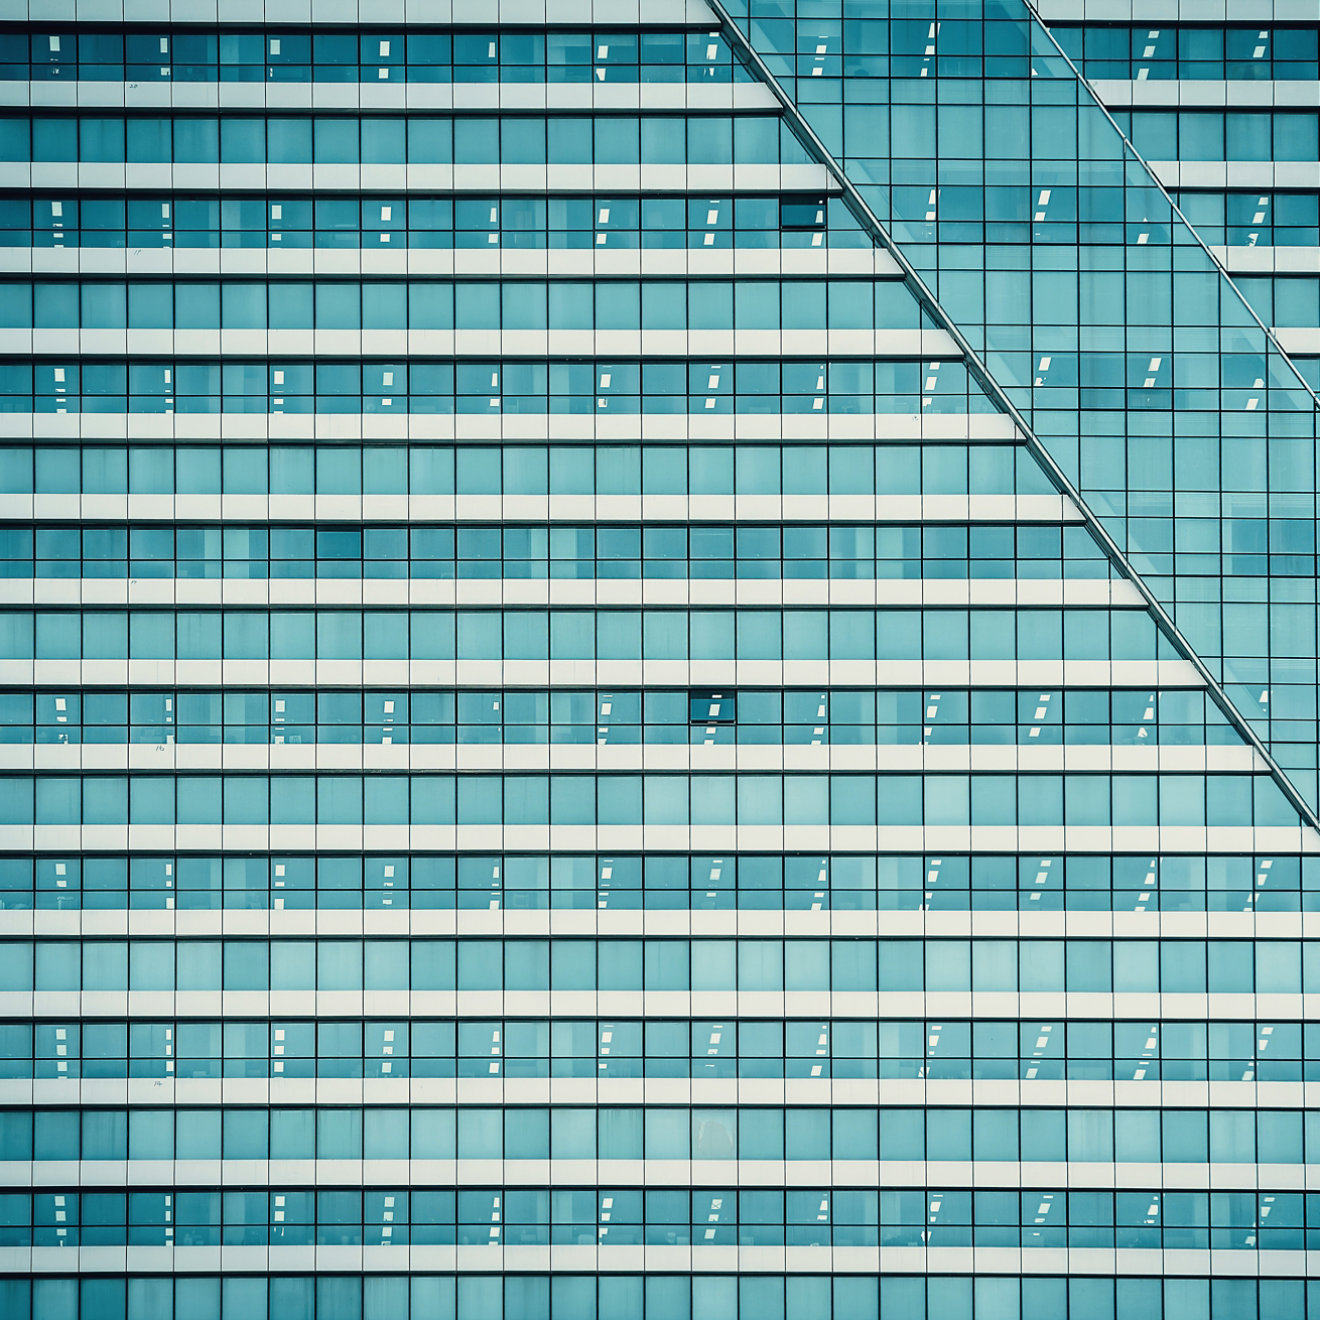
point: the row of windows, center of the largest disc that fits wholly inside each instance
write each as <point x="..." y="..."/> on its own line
<point x="417" y="139"/>
<point x="568" y="551"/>
<point x="520" y="222"/>
<point x="996" y="213"/>
<point x="748" y="1296"/>
<point x="1264" y="218"/>
<point x="931" y="468"/>
<point x="388" y="55"/>
<point x="495" y="387"/>
<point x="809" y="717"/>
<point x="252" y="395"/>
<point x="662" y="881"/>
<point x="1206" y="383"/>
<point x="1222" y="135"/>
<point x="662" y="1133"/>
<point x="519" y="469"/>
<point x="633" y="800"/>
<point x="464" y="305"/>
<point x="1006" y="222"/>
<point x="657" y="1297"/>
<point x="699" y="965"/>
<point x="1283" y="301"/>
<point x="938" y="1049"/>
<point x="621" y="1216"/>
<point x="658" y="634"/>
<point x="1238" y="54"/>
<point x="898" y="137"/>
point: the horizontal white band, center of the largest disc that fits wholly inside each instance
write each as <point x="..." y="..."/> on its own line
<point x="399" y="260"/>
<point x="609" y="177"/>
<point x="1045" y="1005"/>
<point x="1298" y="260"/>
<point x="494" y="427"/>
<point x="516" y="757"/>
<point x="702" y="1091"/>
<point x="396" y="95"/>
<point x="1045" y="674"/>
<point x="1163" y="13"/>
<point x="1205" y="94"/>
<point x="516" y="592"/>
<point x="485" y="343"/>
<point x="280" y="1175"/>
<point x="1300" y="341"/>
<point x="541" y="508"/>
<point x="609" y="922"/>
<point x="481" y="14"/>
<point x="660" y="838"/>
<point x="491" y="1261"/>
<point x="1245" y="174"/>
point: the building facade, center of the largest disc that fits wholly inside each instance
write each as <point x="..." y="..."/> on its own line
<point x="658" y="659"/>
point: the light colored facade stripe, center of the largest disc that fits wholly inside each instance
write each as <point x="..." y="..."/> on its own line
<point x="1045" y="674"/>
<point x="1246" y="174"/>
<point x="940" y="839"/>
<point x="542" y="508"/>
<point x="702" y="1091"/>
<point x="496" y="427"/>
<point x="401" y="260"/>
<point x="1161" y="13"/>
<point x="1206" y="94"/>
<point x="514" y="592"/>
<point x="484" y="344"/>
<point x="514" y="758"/>
<point x="1299" y="341"/>
<point x="611" y="923"/>
<point x="279" y="1175"/>
<point x="696" y="97"/>
<point x="491" y="1261"/>
<point x="481" y="14"/>
<point x="1045" y="1005"/>
<point x="1299" y="260"/>
<point x="608" y="177"/>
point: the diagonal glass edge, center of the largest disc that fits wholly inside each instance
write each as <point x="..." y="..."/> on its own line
<point x="1040" y="26"/>
<point x="981" y="374"/>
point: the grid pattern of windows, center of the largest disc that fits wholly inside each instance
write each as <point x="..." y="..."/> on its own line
<point x="1052" y="247"/>
<point x="660" y="669"/>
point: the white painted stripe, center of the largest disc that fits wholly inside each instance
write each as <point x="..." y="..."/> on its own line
<point x="1163" y="13"/>
<point x="281" y="1175"/>
<point x="494" y="427"/>
<point x="1301" y="341"/>
<point x="717" y="839"/>
<point x="607" y="1091"/>
<point x="206" y="1004"/>
<point x="518" y="757"/>
<point x="398" y="95"/>
<point x="1299" y="260"/>
<point x="1196" y="94"/>
<point x="491" y="1261"/>
<point x="604" y="673"/>
<point x="482" y="14"/>
<point x="541" y="508"/>
<point x="612" y="178"/>
<point x="402" y="261"/>
<point x="485" y="343"/>
<point x="612" y="922"/>
<point x="1247" y="174"/>
<point x="514" y="592"/>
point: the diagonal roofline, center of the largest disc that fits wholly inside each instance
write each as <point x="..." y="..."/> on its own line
<point x="981" y="374"/>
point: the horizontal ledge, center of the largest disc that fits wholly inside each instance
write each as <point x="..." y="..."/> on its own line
<point x="541" y="1004"/>
<point x="590" y="1171"/>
